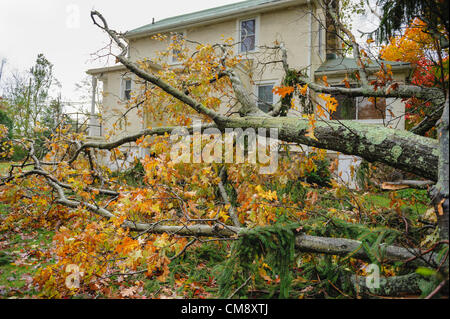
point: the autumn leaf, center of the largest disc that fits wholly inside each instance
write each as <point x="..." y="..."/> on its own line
<point x="283" y="90"/>
<point x="302" y="89"/>
<point x="128" y="292"/>
<point x="346" y="82"/>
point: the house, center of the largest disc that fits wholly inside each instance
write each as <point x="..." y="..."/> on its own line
<point x="300" y="25"/>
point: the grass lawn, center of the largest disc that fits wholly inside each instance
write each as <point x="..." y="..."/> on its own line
<point x="417" y="200"/>
<point x="22" y="253"/>
<point x="5" y="166"/>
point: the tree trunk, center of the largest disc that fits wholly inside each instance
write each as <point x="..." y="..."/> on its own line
<point x="440" y="191"/>
<point x="396" y="148"/>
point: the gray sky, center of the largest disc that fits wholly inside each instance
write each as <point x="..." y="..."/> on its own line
<point x="63" y="31"/>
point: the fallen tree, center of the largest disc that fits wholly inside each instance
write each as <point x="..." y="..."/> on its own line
<point x="75" y="180"/>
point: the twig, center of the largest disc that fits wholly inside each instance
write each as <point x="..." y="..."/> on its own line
<point x="240" y="287"/>
<point x="435" y="291"/>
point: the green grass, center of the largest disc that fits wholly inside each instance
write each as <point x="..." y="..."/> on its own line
<point x="416" y="200"/>
<point x="20" y="259"/>
<point x="5" y="166"/>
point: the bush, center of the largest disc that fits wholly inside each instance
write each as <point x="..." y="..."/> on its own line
<point x="322" y="175"/>
<point x="19" y="153"/>
<point x="7" y="122"/>
<point x="133" y="176"/>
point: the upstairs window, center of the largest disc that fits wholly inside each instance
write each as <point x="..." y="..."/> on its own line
<point x="126" y="89"/>
<point x="177" y="46"/>
<point x="265" y="97"/>
<point x="247" y="35"/>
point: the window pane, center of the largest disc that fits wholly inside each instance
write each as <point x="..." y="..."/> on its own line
<point x="248" y="27"/>
<point x="248" y="44"/>
<point x="368" y="110"/>
<point x="248" y="31"/>
<point x="346" y="109"/>
<point x="127" y="89"/>
<point x="265" y="97"/>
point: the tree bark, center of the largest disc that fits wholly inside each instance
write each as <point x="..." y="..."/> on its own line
<point x="396" y="148"/>
<point x="388" y="286"/>
<point x="440" y="192"/>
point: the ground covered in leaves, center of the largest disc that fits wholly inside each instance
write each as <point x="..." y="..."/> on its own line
<point x="197" y="272"/>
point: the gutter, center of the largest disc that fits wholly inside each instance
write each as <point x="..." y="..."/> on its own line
<point x="119" y="67"/>
<point x="216" y="18"/>
<point x="105" y="69"/>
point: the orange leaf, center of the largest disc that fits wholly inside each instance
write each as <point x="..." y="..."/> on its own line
<point x="283" y="90"/>
<point x="440" y="209"/>
<point x="346" y="82"/>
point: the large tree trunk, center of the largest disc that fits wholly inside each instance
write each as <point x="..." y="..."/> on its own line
<point x="397" y="148"/>
<point x="440" y="191"/>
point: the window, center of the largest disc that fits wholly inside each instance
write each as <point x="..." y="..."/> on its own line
<point x="368" y="110"/>
<point x="265" y="97"/>
<point x="126" y="89"/>
<point x="177" y="46"/>
<point x="247" y="35"/>
<point x="359" y="108"/>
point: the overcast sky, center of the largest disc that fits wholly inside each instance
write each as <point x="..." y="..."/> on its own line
<point x="63" y="31"/>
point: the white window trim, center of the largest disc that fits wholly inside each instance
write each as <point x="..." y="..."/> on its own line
<point x="171" y="61"/>
<point x="257" y="33"/>
<point x="276" y="98"/>
<point x="321" y="35"/>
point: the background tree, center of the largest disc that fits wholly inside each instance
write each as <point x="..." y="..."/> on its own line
<point x="28" y="96"/>
<point x="30" y="105"/>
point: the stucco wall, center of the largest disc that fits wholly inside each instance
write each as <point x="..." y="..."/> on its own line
<point x="114" y="106"/>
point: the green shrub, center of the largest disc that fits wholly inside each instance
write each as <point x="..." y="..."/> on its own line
<point x="322" y="175"/>
<point x="6" y="121"/>
<point x="19" y="153"/>
<point x="133" y="176"/>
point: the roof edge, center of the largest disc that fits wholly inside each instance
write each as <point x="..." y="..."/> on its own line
<point x="222" y="16"/>
<point x="113" y="68"/>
